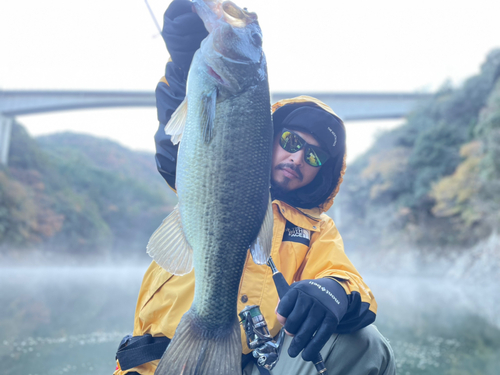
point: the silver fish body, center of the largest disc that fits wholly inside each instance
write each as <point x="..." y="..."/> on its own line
<point x="222" y="180"/>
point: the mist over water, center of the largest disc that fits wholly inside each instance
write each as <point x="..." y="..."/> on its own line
<point x="65" y="320"/>
<point x="71" y="320"/>
<point x="437" y="325"/>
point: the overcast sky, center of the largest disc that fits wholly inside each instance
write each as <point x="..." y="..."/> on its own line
<point x="323" y="45"/>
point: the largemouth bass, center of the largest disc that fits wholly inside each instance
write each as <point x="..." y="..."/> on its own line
<point x="222" y="180"/>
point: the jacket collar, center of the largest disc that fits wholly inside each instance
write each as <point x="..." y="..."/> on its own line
<point x="305" y="218"/>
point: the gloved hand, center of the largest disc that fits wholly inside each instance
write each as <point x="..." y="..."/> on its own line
<point x="313" y="309"/>
<point x="183" y="31"/>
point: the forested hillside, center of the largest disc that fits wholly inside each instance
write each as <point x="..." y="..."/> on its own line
<point x="79" y="195"/>
<point x="434" y="182"/>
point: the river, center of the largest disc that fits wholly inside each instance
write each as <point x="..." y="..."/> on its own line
<point x="70" y="320"/>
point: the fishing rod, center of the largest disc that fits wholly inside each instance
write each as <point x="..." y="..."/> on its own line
<point x="153" y="16"/>
<point x="282" y="287"/>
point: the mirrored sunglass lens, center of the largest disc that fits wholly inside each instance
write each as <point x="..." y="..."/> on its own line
<point x="290" y="142"/>
<point x="312" y="158"/>
<point x="284" y="139"/>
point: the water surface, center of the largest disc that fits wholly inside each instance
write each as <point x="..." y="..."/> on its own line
<point x="71" y="320"/>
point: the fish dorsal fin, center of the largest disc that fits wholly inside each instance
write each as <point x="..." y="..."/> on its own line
<point x="177" y="122"/>
<point x="208" y="102"/>
<point x="261" y="247"/>
<point x="168" y="246"/>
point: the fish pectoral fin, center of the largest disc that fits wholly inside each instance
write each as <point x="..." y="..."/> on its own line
<point x="177" y="122"/>
<point x="261" y="247"/>
<point x="209" y="102"/>
<point x="169" y="247"/>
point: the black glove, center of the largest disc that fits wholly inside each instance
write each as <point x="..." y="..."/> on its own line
<point x="183" y="31"/>
<point x="313" y="309"/>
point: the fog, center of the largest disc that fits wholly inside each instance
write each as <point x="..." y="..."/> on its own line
<point x="56" y="320"/>
<point x="67" y="319"/>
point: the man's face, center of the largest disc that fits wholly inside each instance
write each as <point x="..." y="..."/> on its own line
<point x="290" y="171"/>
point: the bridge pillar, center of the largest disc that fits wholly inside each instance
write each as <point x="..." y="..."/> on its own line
<point x="5" y="132"/>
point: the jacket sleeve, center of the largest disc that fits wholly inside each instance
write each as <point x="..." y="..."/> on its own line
<point x="170" y="93"/>
<point x="326" y="258"/>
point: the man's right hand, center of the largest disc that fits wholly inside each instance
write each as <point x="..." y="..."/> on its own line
<point x="183" y="31"/>
<point x="310" y="311"/>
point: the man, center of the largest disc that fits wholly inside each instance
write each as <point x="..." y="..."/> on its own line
<point x="328" y="308"/>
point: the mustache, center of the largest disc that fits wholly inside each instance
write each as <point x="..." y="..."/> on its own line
<point x="293" y="167"/>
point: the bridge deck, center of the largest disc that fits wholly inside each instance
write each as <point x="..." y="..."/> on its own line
<point x="349" y="106"/>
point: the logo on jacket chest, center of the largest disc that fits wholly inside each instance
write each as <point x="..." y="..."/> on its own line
<point x="294" y="233"/>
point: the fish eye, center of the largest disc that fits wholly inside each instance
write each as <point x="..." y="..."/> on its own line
<point x="257" y="38"/>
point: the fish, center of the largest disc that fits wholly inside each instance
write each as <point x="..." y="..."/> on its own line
<point x="224" y="209"/>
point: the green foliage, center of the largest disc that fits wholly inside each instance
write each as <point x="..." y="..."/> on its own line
<point x="456" y="195"/>
<point x="76" y="193"/>
<point x="124" y="187"/>
<point x="24" y="152"/>
<point x="488" y="132"/>
<point x="415" y="186"/>
<point x="453" y="193"/>
<point x="383" y="172"/>
<point x="17" y="212"/>
<point x="434" y="155"/>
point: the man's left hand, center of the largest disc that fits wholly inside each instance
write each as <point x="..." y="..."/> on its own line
<point x="183" y="31"/>
<point x="311" y="311"/>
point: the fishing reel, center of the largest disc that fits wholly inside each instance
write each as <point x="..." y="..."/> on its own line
<point x="264" y="348"/>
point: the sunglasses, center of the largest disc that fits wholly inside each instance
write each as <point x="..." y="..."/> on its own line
<point x="292" y="143"/>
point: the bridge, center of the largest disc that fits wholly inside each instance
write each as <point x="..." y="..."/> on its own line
<point x="349" y="106"/>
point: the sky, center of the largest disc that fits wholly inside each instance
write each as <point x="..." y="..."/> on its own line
<point x="311" y="46"/>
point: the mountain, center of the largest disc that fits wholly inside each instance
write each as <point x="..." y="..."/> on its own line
<point x="77" y="194"/>
<point x="432" y="184"/>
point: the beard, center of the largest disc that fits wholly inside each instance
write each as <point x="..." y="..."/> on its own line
<point x="286" y="181"/>
<point x="279" y="191"/>
<point x="309" y="196"/>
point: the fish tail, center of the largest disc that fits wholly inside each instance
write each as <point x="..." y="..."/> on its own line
<point x="194" y="351"/>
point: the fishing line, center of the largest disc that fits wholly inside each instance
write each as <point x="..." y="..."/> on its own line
<point x="153" y="16"/>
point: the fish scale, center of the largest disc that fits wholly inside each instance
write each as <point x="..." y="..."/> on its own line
<point x="229" y="199"/>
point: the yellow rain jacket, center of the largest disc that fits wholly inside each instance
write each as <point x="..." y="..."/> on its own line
<point x="306" y="245"/>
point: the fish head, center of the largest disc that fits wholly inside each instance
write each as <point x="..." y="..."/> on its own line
<point x="232" y="52"/>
